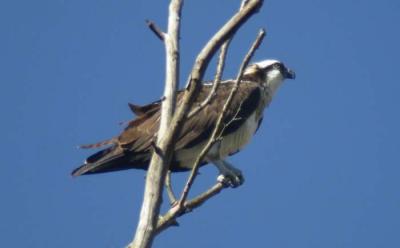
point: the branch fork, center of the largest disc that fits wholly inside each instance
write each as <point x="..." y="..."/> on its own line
<point x="173" y="117"/>
<point x="183" y="205"/>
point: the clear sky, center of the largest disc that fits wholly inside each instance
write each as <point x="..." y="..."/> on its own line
<point x="322" y="171"/>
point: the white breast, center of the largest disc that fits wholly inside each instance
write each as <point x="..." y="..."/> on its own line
<point x="231" y="143"/>
<point x="275" y="80"/>
<point x="237" y="140"/>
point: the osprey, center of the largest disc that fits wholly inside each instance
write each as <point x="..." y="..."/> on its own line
<point x="133" y="147"/>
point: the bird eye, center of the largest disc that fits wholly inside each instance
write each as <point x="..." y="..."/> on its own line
<point x="278" y="66"/>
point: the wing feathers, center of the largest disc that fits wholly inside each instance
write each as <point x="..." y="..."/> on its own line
<point x="137" y="137"/>
<point x="141" y="110"/>
<point x="98" y="144"/>
<point x="110" y="159"/>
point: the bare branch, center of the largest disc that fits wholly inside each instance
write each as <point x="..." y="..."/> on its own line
<point x="219" y="126"/>
<point x="166" y="137"/>
<point x="184" y="206"/>
<point x="156" y="30"/>
<point x="202" y="198"/>
<point x="170" y="192"/>
<point x="169" y="219"/>
<point x="155" y="180"/>
<point x="201" y="64"/>
<point x="217" y="79"/>
<point x="220" y="69"/>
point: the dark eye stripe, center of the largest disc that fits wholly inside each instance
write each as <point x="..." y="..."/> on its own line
<point x="277" y="65"/>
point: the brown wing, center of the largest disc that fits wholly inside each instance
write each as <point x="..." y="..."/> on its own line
<point x="141" y="110"/>
<point x="199" y="128"/>
<point x="139" y="133"/>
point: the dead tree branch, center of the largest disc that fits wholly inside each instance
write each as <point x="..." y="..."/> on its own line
<point x="156" y="30"/>
<point x="216" y="82"/>
<point x="169" y="219"/>
<point x="168" y="187"/>
<point x="145" y="231"/>
<point x="169" y="130"/>
<point x="219" y="126"/>
<point x="183" y="205"/>
<point x="218" y="74"/>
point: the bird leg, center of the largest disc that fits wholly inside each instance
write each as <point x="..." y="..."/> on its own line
<point x="229" y="175"/>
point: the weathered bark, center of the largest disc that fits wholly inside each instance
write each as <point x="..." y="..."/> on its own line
<point x="160" y="161"/>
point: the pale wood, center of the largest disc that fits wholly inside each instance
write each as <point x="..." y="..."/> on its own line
<point x="145" y="231"/>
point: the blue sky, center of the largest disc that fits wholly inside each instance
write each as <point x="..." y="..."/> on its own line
<point x="322" y="171"/>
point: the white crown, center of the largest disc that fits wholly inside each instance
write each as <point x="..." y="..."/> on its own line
<point x="266" y="63"/>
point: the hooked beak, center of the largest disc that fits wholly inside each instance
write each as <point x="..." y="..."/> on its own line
<point x="290" y="74"/>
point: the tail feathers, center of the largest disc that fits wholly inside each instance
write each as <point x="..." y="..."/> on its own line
<point x="103" y="155"/>
<point x="98" y="144"/>
<point x="136" y="109"/>
<point x="82" y="170"/>
<point x="145" y="109"/>
<point x="101" y="161"/>
<point x="112" y="159"/>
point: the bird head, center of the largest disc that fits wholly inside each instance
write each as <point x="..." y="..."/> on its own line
<point x="271" y="73"/>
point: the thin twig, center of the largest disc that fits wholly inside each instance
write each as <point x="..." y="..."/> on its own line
<point x="217" y="79"/>
<point x="218" y="74"/>
<point x="156" y="30"/>
<point x="170" y="192"/>
<point x="169" y="219"/>
<point x="203" y="197"/>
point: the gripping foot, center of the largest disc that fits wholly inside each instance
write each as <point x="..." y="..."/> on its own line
<point x="229" y="175"/>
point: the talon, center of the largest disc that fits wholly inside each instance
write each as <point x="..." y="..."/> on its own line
<point x="231" y="180"/>
<point x="229" y="175"/>
<point x="225" y="181"/>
